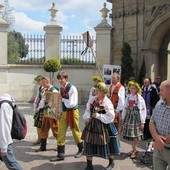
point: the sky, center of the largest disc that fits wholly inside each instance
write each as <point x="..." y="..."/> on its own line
<point x="75" y="16"/>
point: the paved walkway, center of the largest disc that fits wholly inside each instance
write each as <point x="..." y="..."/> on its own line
<point x="30" y="160"/>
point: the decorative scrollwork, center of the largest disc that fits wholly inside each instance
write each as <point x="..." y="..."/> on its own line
<point x="155" y="11"/>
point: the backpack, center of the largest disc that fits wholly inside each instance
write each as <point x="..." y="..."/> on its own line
<point x="19" y="123"/>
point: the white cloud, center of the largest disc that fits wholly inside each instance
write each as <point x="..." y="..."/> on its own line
<point x="32" y="15"/>
<point x="25" y="24"/>
<point x="30" y="5"/>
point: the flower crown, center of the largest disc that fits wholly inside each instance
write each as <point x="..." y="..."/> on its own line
<point x="38" y="78"/>
<point x="97" y="79"/>
<point x="132" y="83"/>
<point x="101" y="87"/>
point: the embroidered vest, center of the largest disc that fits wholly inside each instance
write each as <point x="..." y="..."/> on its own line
<point x="52" y="88"/>
<point x="64" y="93"/>
<point x="114" y="95"/>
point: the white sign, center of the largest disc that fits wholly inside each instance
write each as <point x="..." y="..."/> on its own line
<point x="108" y="70"/>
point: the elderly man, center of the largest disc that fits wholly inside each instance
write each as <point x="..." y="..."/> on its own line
<point x="151" y="97"/>
<point x="160" y="129"/>
<point x="117" y="96"/>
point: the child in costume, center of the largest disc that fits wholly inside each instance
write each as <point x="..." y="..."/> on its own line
<point x="133" y="115"/>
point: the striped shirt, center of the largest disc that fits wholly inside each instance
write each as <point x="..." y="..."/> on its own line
<point x="161" y="118"/>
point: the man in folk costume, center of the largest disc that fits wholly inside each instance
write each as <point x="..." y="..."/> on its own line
<point x="38" y="107"/>
<point x="151" y="97"/>
<point x="47" y="122"/>
<point x="117" y="96"/>
<point x="68" y="117"/>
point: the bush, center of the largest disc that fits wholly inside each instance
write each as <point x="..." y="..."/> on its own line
<point x="52" y="65"/>
<point x="126" y="63"/>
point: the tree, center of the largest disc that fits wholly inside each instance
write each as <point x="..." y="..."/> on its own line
<point x="126" y="63"/>
<point x="52" y="65"/>
<point x="16" y="46"/>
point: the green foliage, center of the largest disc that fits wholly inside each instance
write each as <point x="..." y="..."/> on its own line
<point x="35" y="60"/>
<point x="126" y="63"/>
<point x="73" y="61"/>
<point x="52" y="65"/>
<point x="16" y="46"/>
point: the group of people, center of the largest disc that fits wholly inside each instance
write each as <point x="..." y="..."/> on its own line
<point x="68" y="115"/>
<point x="110" y="112"/>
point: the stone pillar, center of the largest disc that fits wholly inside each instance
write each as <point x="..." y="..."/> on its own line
<point x="52" y="36"/>
<point x="3" y="37"/>
<point x="103" y="40"/>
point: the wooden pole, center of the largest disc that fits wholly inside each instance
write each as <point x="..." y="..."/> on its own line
<point x="97" y="64"/>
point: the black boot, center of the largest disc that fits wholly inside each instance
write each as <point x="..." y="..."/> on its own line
<point x="42" y="145"/>
<point x="80" y="150"/>
<point x="60" y="156"/>
<point x="111" y="164"/>
<point x="89" y="165"/>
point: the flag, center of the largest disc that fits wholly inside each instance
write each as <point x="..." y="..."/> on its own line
<point x="87" y="39"/>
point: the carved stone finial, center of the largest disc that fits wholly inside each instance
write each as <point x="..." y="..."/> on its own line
<point x="1" y="19"/>
<point x="53" y="4"/>
<point x="53" y="11"/>
<point x="104" y="12"/>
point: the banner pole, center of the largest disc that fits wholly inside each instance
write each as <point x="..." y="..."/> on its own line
<point x="97" y="64"/>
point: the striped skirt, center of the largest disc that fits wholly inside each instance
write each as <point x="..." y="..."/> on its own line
<point x="38" y="118"/>
<point x="100" y="139"/>
<point x="130" y="129"/>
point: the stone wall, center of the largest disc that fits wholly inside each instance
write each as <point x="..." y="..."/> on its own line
<point x="18" y="80"/>
<point x="142" y="24"/>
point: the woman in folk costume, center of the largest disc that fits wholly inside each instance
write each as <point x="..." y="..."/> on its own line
<point x="100" y="135"/>
<point x="133" y="115"/>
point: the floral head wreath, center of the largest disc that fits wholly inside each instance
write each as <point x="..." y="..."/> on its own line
<point x="132" y="83"/>
<point x="97" y="79"/>
<point x="38" y="78"/>
<point x="102" y="87"/>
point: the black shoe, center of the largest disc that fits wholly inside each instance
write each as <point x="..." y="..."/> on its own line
<point x="89" y="168"/>
<point x="79" y="154"/>
<point x="57" y="158"/>
<point x="40" y="149"/>
<point x="109" y="167"/>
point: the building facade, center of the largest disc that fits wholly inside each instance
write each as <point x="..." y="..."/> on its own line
<point x="145" y="25"/>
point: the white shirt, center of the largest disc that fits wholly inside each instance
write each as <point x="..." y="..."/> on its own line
<point x="39" y="104"/>
<point x="73" y="97"/>
<point x="140" y="104"/>
<point x="106" y="118"/>
<point x="6" y="116"/>
<point x="121" y="95"/>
